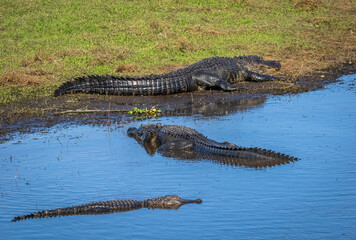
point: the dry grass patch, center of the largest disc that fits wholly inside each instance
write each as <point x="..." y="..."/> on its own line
<point x="104" y="55"/>
<point x="307" y="5"/>
<point x="181" y="44"/>
<point x="159" y="27"/>
<point x="184" y="45"/>
<point x="71" y="53"/>
<point x="23" y="77"/>
<point x="126" y="68"/>
<point x="169" y="68"/>
<point x="205" y="30"/>
<point x="37" y="58"/>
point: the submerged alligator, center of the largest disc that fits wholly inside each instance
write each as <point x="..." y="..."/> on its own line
<point x="105" y="207"/>
<point x="185" y="143"/>
<point x="209" y="73"/>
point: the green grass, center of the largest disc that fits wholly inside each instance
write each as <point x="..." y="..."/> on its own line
<point x="64" y="39"/>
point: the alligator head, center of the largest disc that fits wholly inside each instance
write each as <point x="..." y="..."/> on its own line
<point x="147" y="138"/>
<point x="256" y="63"/>
<point x="135" y="133"/>
<point x="170" y="202"/>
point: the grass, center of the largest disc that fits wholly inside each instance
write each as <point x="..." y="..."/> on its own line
<point x="44" y="43"/>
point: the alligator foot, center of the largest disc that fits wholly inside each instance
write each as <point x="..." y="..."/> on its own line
<point x="256" y="77"/>
<point x="210" y="81"/>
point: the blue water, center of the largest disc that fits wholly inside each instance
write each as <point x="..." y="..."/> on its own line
<point x="314" y="198"/>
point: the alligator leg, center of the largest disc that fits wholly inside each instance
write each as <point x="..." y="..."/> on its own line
<point x="208" y="80"/>
<point x="272" y="64"/>
<point x="256" y="77"/>
<point x="177" y="149"/>
<point x="150" y="141"/>
<point x="176" y="145"/>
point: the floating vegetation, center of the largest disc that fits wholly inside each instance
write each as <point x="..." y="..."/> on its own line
<point x="145" y="112"/>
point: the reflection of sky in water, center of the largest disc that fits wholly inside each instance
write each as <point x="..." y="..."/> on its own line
<point x="313" y="198"/>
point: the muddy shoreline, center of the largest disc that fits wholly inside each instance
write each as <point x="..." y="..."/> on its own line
<point x="39" y="114"/>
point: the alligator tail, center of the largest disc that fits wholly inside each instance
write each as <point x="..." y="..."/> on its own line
<point x="86" y="209"/>
<point x="102" y="207"/>
<point x="124" y="85"/>
<point x="255" y="157"/>
<point x="44" y="214"/>
<point x="89" y="84"/>
<point x="272" y="154"/>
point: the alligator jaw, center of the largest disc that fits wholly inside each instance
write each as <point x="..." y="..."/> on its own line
<point x="272" y="64"/>
<point x="187" y="201"/>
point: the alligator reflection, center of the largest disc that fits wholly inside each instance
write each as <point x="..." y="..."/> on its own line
<point x="184" y="143"/>
<point x="112" y="206"/>
<point x="220" y="108"/>
<point x="208" y="109"/>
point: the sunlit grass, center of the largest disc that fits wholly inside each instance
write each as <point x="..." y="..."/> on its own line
<point x="64" y="39"/>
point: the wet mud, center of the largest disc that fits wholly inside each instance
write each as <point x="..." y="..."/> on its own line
<point x="96" y="109"/>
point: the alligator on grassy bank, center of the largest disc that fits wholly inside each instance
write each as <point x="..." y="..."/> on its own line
<point x="105" y="207"/>
<point x="209" y="73"/>
<point x="187" y="144"/>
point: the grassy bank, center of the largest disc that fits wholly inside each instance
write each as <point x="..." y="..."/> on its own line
<point x="44" y="43"/>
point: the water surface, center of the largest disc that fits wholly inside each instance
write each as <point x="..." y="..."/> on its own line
<point x="314" y="198"/>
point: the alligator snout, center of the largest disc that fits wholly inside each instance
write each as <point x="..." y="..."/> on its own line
<point x="197" y="201"/>
<point x="132" y="131"/>
<point x="273" y="64"/>
<point x="175" y="202"/>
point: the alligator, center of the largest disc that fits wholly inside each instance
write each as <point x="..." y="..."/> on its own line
<point x="209" y="73"/>
<point x="184" y="143"/>
<point x="112" y="206"/>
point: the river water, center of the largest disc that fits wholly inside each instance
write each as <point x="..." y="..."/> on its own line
<point x="313" y="198"/>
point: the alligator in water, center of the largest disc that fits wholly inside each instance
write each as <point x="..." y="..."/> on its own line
<point x="105" y="207"/>
<point x="209" y="73"/>
<point x="187" y="144"/>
